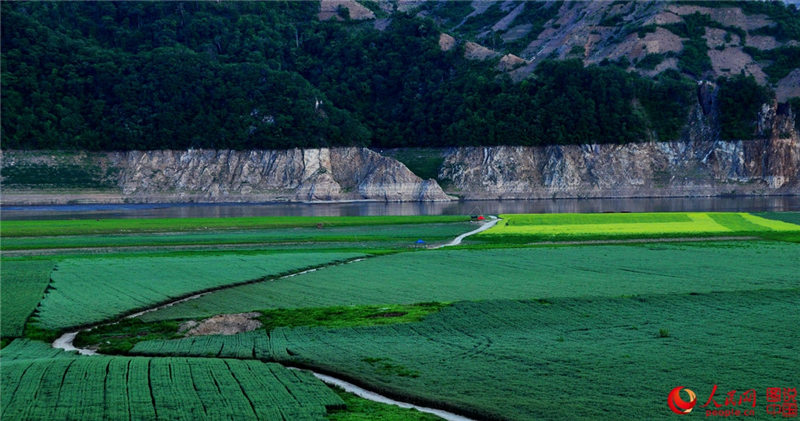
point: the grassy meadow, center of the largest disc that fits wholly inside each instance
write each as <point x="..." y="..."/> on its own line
<point x="530" y="319"/>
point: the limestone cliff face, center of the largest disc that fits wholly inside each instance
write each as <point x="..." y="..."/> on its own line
<point x="695" y="166"/>
<point x="267" y="175"/>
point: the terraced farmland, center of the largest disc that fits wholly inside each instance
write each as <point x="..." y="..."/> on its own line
<point x="90" y="290"/>
<point x="22" y="283"/>
<point x="41" y="384"/>
<point x="453" y="275"/>
<point x="563" y="227"/>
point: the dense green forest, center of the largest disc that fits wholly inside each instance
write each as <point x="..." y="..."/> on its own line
<point x="131" y="75"/>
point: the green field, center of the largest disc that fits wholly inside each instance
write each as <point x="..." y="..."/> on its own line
<point x="452" y="275"/>
<point x="40" y="384"/>
<point x="121" y="337"/>
<point x="359" y="409"/>
<point x="396" y="234"/>
<point x="556" y="358"/>
<point x="22" y="283"/>
<point x="493" y="329"/>
<point x="35" y="228"/>
<point x="791" y="217"/>
<point x="564" y="227"/>
<point x="95" y="289"/>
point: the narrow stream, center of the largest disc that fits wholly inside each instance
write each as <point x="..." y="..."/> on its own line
<point x="66" y="342"/>
<point x="366" y="394"/>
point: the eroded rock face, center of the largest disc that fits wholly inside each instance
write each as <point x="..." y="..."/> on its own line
<point x="695" y="166"/>
<point x="293" y="174"/>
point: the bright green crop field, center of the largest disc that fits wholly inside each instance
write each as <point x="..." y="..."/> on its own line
<point x="554" y="316"/>
<point x="564" y="227"/>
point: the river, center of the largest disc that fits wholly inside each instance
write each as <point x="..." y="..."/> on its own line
<point x="468" y="207"/>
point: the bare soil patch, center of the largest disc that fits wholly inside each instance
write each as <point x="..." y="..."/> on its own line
<point x="732" y="60"/>
<point x="762" y="42"/>
<point x="222" y="324"/>
<point x="446" y="42"/>
<point x="789" y="86"/>
<point x="474" y="51"/>
<point x="328" y="9"/>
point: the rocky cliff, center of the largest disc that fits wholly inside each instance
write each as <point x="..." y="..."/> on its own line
<point x="324" y="174"/>
<point x="697" y="165"/>
<point x="283" y="175"/>
<point x="694" y="166"/>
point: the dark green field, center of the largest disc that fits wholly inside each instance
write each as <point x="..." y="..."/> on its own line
<point x="119" y="226"/>
<point x="400" y="235"/>
<point x="554" y="331"/>
<point x="22" y="284"/>
<point x="519" y="273"/>
<point x="575" y="351"/>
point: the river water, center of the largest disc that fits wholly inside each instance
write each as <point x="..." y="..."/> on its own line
<point x="681" y="204"/>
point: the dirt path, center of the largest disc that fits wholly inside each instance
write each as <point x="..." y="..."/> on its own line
<point x="456" y="241"/>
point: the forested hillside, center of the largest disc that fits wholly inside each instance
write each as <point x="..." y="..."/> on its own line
<point x="252" y="75"/>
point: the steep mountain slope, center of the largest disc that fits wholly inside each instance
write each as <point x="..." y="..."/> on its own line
<point x="703" y="39"/>
<point x="254" y="101"/>
<point x="120" y="76"/>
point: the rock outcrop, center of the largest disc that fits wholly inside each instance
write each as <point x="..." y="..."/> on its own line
<point x="694" y="166"/>
<point x="698" y="165"/>
<point x="270" y="175"/>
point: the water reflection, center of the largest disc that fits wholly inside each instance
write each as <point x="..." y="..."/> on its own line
<point x="699" y="204"/>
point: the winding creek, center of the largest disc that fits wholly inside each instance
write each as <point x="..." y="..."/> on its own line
<point x="66" y="341"/>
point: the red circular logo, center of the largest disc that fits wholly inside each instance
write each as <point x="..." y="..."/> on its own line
<point x="677" y="404"/>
